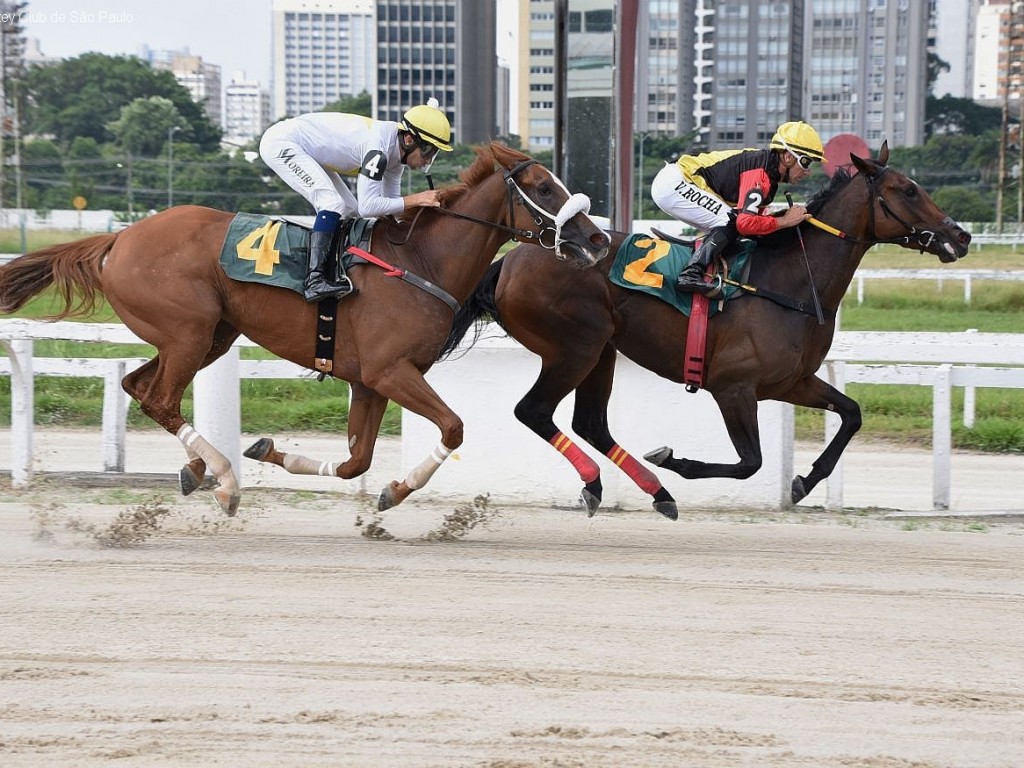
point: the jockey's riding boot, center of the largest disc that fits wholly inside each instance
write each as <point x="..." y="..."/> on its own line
<point x="691" y="279"/>
<point x="317" y="287"/>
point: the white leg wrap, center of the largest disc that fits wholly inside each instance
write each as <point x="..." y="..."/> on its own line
<point x="422" y="473"/>
<point x="301" y="465"/>
<point x="196" y="445"/>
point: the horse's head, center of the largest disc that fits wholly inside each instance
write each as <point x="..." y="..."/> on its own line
<point x="546" y="213"/>
<point x="901" y="212"/>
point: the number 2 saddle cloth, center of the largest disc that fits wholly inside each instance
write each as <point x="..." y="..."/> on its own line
<point x="650" y="264"/>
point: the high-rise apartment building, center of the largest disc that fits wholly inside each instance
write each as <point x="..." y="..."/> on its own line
<point x="666" y="66"/>
<point x="999" y="52"/>
<point x="323" y="51"/>
<point x="536" y="82"/>
<point x="246" y="110"/>
<point x="758" y="64"/>
<point x="867" y="69"/>
<point x="443" y="49"/>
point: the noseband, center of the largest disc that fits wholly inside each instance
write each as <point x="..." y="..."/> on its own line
<point x="577" y="203"/>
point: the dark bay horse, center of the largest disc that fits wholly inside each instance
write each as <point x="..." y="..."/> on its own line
<point x="756" y="349"/>
<point x="163" y="279"/>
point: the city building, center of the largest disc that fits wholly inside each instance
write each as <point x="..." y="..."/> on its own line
<point x="246" y="110"/>
<point x="867" y="69"/>
<point x="535" y="93"/>
<point x="444" y="50"/>
<point x="198" y="77"/>
<point x="999" y="52"/>
<point x="758" y="64"/>
<point x="323" y="50"/>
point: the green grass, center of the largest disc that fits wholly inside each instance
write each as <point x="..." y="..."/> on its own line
<point x="896" y="413"/>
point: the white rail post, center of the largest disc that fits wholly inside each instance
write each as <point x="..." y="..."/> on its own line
<point x="217" y="409"/>
<point x="787" y="433"/>
<point x="22" y="411"/>
<point x="942" y="440"/>
<point x="834" y="495"/>
<point x="969" y="396"/>
<point x="115" y="416"/>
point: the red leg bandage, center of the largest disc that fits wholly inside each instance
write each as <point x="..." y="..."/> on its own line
<point x="588" y="469"/>
<point x="639" y="474"/>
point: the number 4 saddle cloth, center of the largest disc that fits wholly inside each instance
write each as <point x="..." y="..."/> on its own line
<point x="263" y="249"/>
<point x="650" y="264"/>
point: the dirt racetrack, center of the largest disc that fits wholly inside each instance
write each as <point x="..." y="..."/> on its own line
<point x="141" y="629"/>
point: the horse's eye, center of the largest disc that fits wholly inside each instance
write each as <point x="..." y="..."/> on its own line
<point x="544" y="189"/>
<point x="911" y="191"/>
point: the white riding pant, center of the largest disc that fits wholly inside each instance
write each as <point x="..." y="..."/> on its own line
<point x="687" y="202"/>
<point x="325" y="190"/>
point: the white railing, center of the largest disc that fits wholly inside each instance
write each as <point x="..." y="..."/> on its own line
<point x="939" y="276"/>
<point x="938" y="360"/>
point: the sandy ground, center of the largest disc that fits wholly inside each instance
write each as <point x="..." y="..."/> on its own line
<point x="138" y="628"/>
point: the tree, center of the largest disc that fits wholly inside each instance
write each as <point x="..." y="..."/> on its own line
<point x="82" y="96"/>
<point x="953" y="115"/>
<point x="353" y="105"/>
<point x="143" y="125"/>
<point x="936" y="66"/>
<point x="964" y="204"/>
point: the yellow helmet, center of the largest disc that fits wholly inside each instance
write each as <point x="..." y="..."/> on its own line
<point x="800" y="138"/>
<point x="428" y="123"/>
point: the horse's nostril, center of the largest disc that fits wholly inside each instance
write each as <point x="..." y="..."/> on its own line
<point x="963" y="237"/>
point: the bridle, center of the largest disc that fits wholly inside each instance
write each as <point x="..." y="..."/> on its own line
<point x="916" y="238"/>
<point x="577" y="203"/>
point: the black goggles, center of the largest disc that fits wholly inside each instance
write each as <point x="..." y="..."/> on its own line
<point x="427" y="149"/>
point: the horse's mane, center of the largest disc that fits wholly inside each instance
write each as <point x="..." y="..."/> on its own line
<point x="840" y="180"/>
<point x="482" y="168"/>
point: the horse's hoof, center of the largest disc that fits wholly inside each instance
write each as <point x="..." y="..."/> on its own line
<point x="259" y="449"/>
<point x="188" y="481"/>
<point x="658" y="456"/>
<point x="591" y="502"/>
<point x="228" y="501"/>
<point x="797" y="489"/>
<point x="386" y="500"/>
<point x="667" y="508"/>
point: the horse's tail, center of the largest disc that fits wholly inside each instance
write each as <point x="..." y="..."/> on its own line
<point x="478" y="310"/>
<point x="74" y="268"/>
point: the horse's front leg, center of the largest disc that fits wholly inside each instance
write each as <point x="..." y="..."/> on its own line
<point x="404" y="383"/>
<point x="739" y="411"/>
<point x="813" y="392"/>
<point x="365" y="413"/>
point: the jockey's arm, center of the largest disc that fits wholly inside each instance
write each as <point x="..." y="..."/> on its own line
<point x="752" y="218"/>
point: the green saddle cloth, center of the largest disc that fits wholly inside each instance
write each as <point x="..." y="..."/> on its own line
<point x="262" y="249"/>
<point x="649" y="264"/>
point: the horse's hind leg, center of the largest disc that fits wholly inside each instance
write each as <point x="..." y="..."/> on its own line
<point x="590" y="421"/>
<point x="812" y="392"/>
<point x="159" y="385"/>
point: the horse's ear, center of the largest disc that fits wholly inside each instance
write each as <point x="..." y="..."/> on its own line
<point x="883" y="153"/>
<point x="864" y="164"/>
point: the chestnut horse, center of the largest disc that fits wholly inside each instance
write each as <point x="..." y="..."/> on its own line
<point x="163" y="279"/>
<point x="756" y="349"/>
